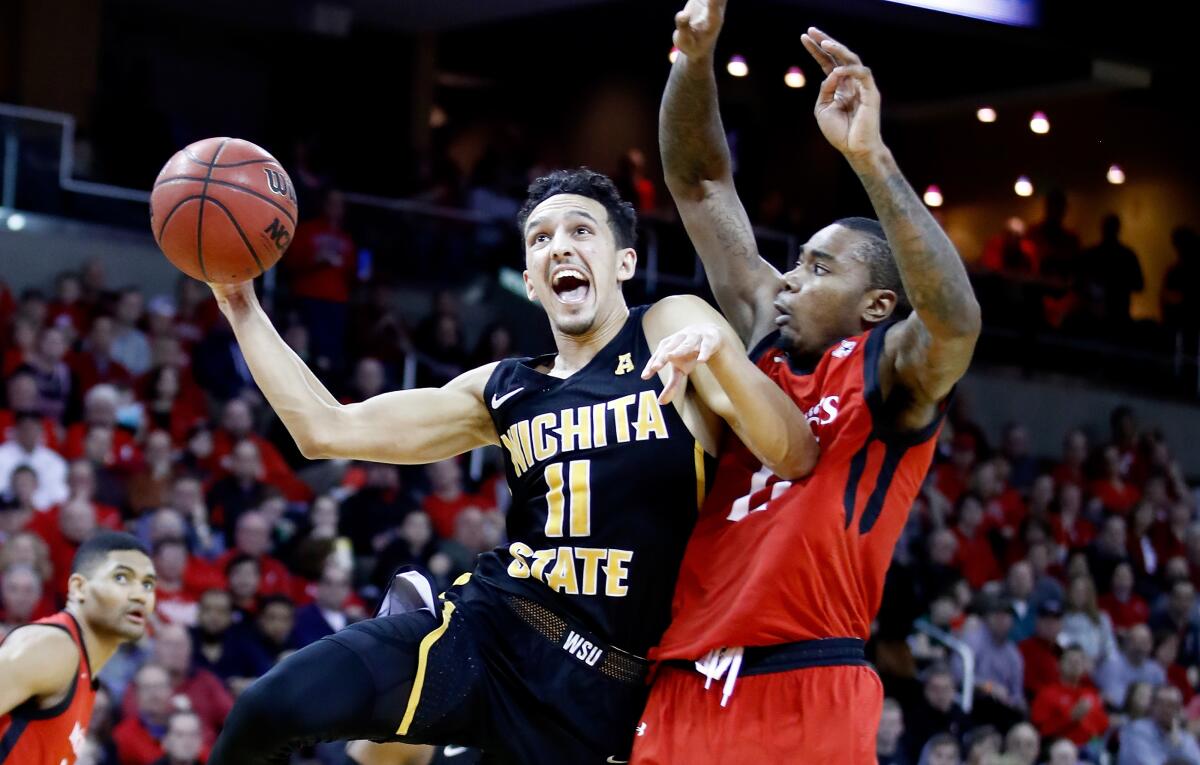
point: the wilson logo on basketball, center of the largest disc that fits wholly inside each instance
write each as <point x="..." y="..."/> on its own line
<point x="278" y="183"/>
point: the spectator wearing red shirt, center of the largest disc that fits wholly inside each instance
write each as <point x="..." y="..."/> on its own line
<point x="1042" y="651"/>
<point x="1071" y="530"/>
<point x="21" y="395"/>
<point x="1003" y="507"/>
<point x="241" y="490"/>
<point x="253" y="539"/>
<point x="321" y="267"/>
<point x="173" y="401"/>
<point x="207" y="696"/>
<point x="94" y="363"/>
<point x="448" y="498"/>
<point x="1166" y="653"/>
<point x="100" y="411"/>
<point x="17" y="509"/>
<point x="67" y="310"/>
<point x="1170" y="536"/>
<point x="1075" y="453"/>
<point x="237" y="424"/>
<point x="22" y="597"/>
<point x="1071" y="707"/>
<point x="182" y="578"/>
<point x="1124" y="606"/>
<point x="183" y="743"/>
<point x="953" y="476"/>
<point x="975" y="559"/>
<point x="1115" y="493"/>
<point x="54" y="380"/>
<point x="139" y="736"/>
<point x="1142" y="552"/>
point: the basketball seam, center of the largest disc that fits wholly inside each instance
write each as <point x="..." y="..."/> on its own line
<point x="163" y="228"/>
<point x="241" y="233"/>
<point x="200" y="217"/>
<point x="202" y="163"/>
<point x="229" y="185"/>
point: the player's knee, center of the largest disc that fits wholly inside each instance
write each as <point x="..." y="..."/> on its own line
<point x="270" y="707"/>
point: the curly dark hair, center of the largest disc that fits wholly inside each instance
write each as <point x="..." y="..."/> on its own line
<point x="622" y="220"/>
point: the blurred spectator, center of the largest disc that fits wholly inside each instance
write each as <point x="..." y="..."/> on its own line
<point x="257" y="645"/>
<point x="237" y="424"/>
<point x="370" y="379"/>
<point x="1015" y="448"/>
<point x="1055" y="247"/>
<point x="210" y="636"/>
<point x="414" y="546"/>
<point x="953" y="476"/>
<point x="1166" y="653"/>
<point x="1181" y="285"/>
<point x="241" y="490"/>
<point x="1008" y="251"/>
<point x="218" y="363"/>
<point x="16" y="505"/>
<point x="634" y="184"/>
<point x="1115" y="494"/>
<point x="1085" y="625"/>
<point x="495" y="344"/>
<point x="975" y="559"/>
<point x="245" y="578"/>
<point x="888" y="737"/>
<point x="1075" y="452"/>
<point x="448" y="496"/>
<point x="67" y="310"/>
<point x="1177" y="615"/>
<point x="982" y="745"/>
<point x="1142" y="553"/>
<point x="321" y="269"/>
<point x="76" y="524"/>
<point x="325" y="615"/>
<point x="94" y="363"/>
<point x="253" y="540"/>
<point x="1063" y="752"/>
<point x="28" y="549"/>
<point x="1108" y="550"/>
<point x="1071" y="529"/>
<point x="1170" y="535"/>
<point x="1124" y="606"/>
<point x="138" y="737"/>
<point x="21" y="395"/>
<point x="1161" y="738"/>
<point x="1041" y="652"/>
<point x="941" y="749"/>
<point x="371" y="518"/>
<point x="1022" y="745"/>
<point x="1019" y="591"/>
<point x="442" y="354"/>
<point x="22" y="597"/>
<point x="21" y="345"/>
<point x="205" y="692"/>
<point x="1072" y="707"/>
<point x="150" y="485"/>
<point x="100" y="410"/>
<point x="49" y="370"/>
<point x="999" y="667"/>
<point x="170" y="404"/>
<point x="183" y="743"/>
<point x="1110" y="274"/>
<point x="130" y="347"/>
<point x="175" y="603"/>
<point x="26" y="449"/>
<point x="1133" y="664"/>
<point x="935" y="712"/>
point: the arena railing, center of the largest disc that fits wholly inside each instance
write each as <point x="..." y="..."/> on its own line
<point x="966" y="695"/>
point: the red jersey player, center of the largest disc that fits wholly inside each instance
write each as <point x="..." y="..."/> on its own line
<point x="48" y="668"/>
<point x="781" y="580"/>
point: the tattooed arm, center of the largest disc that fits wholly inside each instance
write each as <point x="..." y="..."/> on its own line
<point x="930" y="350"/>
<point x="700" y="178"/>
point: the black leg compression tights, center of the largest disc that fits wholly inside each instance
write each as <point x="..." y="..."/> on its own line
<point x="323" y="692"/>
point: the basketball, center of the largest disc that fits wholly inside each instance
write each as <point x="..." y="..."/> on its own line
<point x="223" y="210"/>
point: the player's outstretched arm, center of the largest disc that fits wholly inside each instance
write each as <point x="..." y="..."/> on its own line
<point x="695" y="342"/>
<point x="35" y="661"/>
<point x="931" y="349"/>
<point x="404" y="427"/>
<point x="699" y="176"/>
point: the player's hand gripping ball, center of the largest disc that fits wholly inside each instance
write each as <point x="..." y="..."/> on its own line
<point x="223" y="210"/>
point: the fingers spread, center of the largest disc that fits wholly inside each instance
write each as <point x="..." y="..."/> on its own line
<point x="674" y="379"/>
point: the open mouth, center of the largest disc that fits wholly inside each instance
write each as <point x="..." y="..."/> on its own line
<point x="136" y="616"/>
<point x="570" y="285"/>
<point x="784" y="315"/>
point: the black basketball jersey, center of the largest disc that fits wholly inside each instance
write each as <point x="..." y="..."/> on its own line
<point x="606" y="485"/>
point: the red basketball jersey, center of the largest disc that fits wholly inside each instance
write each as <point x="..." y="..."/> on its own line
<point x="773" y="561"/>
<point x="52" y="736"/>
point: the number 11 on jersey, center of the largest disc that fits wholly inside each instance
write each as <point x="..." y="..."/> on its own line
<point x="578" y="488"/>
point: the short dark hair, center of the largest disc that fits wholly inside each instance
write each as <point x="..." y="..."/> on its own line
<point x="883" y="272"/>
<point x="275" y="600"/>
<point x="93" y="552"/>
<point x="238" y="560"/>
<point x="622" y="220"/>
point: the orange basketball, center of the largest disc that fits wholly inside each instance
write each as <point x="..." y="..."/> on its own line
<point x="223" y="210"/>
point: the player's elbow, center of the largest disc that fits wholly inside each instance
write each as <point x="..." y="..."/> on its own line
<point x="315" y="435"/>
<point x="797" y="456"/>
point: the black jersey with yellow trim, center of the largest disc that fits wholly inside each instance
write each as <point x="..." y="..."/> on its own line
<point x="606" y="484"/>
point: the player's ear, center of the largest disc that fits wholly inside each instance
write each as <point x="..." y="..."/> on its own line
<point x="75" y="587"/>
<point x="626" y="264"/>
<point x="878" y="305"/>
<point x="529" y="286"/>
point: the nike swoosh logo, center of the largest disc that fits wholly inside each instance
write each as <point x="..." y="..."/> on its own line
<point x="497" y="402"/>
<point x="453" y="751"/>
<point x="610" y="759"/>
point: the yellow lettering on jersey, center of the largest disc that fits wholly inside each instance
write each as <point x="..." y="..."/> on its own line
<point x="562" y="577"/>
<point x="650" y="417"/>
<point x="599" y="425"/>
<point x="518" y="568"/>
<point x="620" y="408"/>
<point x="625" y="363"/>
<point x="616" y="572"/>
<point x="540" y="559"/>
<point x="571" y="432"/>
<point x="511" y="442"/>
<point x="545" y="446"/>
<point x="523" y="432"/>
<point x="581" y="498"/>
<point x="591" y="557"/>
<point x="555" y="500"/>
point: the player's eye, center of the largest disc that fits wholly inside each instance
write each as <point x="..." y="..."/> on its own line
<point x="582" y="230"/>
<point x="819" y="269"/>
<point x="148" y="586"/>
<point x="541" y="238"/>
<point x="121" y="578"/>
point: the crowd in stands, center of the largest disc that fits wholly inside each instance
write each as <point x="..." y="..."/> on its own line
<point x="1040" y="608"/>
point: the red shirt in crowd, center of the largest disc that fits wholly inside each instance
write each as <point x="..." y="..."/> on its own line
<point x="1041" y="663"/>
<point x="1078" y="534"/>
<point x="276" y="471"/>
<point x="443" y="512"/>
<point x="49" y="430"/>
<point x="1116" y="499"/>
<point x="208" y="697"/>
<point x="976" y="560"/>
<point x="1125" y="614"/>
<point x="136" y="745"/>
<point x="62" y="550"/>
<point x="274" y="578"/>
<point x="321" y="262"/>
<point x="1051" y="712"/>
<point x="123" y="453"/>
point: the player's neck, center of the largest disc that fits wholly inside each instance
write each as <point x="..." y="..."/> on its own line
<point x="575" y="351"/>
<point x="99" y="648"/>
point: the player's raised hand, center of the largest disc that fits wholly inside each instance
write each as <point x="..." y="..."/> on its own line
<point x="697" y="27"/>
<point x="680" y="353"/>
<point x="848" y="106"/>
<point x="233" y="296"/>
